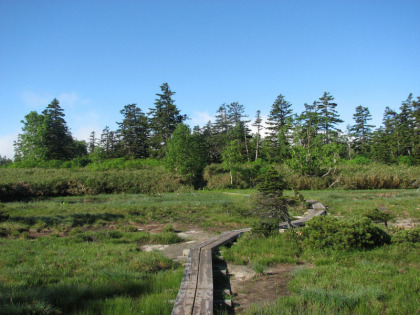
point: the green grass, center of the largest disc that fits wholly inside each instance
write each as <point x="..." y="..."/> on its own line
<point x="214" y="210"/>
<point x="82" y="255"/>
<point x="72" y="274"/>
<point x="403" y="202"/>
<point x="380" y="281"/>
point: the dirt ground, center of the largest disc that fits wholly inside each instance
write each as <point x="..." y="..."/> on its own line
<point x="250" y="288"/>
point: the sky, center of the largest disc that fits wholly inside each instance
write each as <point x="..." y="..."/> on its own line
<point x="97" y="56"/>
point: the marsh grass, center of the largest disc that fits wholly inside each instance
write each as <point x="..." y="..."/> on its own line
<point x="90" y="261"/>
<point x="75" y="273"/>
<point x="383" y="280"/>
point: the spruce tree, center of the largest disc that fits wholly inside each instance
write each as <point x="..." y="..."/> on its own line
<point x="361" y="131"/>
<point x="329" y="118"/>
<point x="258" y="124"/>
<point x="58" y="137"/>
<point x="163" y="120"/>
<point x="133" y="132"/>
<point x="279" y="124"/>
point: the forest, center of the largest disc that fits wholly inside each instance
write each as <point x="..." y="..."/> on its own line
<point x="225" y="153"/>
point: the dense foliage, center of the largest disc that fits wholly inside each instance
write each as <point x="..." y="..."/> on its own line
<point x="330" y="232"/>
<point x="310" y="143"/>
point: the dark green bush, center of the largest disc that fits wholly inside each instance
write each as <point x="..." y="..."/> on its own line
<point x="329" y="232"/>
<point x="265" y="227"/>
<point x="406" y="236"/>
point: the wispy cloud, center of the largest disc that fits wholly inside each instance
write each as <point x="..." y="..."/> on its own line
<point x="68" y="100"/>
<point x="201" y="118"/>
<point x="35" y="100"/>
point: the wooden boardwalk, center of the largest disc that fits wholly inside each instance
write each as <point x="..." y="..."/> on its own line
<point x="195" y="295"/>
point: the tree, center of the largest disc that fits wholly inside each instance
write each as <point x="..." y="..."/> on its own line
<point x="186" y="153"/>
<point x="163" y="121"/>
<point x="361" y="131"/>
<point x="92" y="142"/>
<point x="58" y="139"/>
<point x="405" y="127"/>
<point x="133" y="132"/>
<point x="258" y="124"/>
<point x="329" y="117"/>
<point x="306" y="128"/>
<point x="231" y="156"/>
<point x="46" y="136"/>
<point x="279" y="124"/>
<point x="416" y="124"/>
<point x="270" y="202"/>
<point x="31" y="143"/>
<point x="108" y="143"/>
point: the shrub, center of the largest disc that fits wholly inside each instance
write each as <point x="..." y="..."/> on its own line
<point x="329" y="232"/>
<point x="360" y="160"/>
<point x="265" y="227"/>
<point x="406" y="236"/>
<point x="407" y="160"/>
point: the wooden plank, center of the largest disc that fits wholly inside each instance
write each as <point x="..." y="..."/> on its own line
<point x="195" y="295"/>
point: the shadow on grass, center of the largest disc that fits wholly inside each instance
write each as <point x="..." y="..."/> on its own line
<point x="76" y="219"/>
<point x="57" y="299"/>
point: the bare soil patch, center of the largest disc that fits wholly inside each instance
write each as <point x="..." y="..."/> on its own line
<point x="250" y="288"/>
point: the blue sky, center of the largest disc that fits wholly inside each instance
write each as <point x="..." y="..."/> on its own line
<point x="97" y="56"/>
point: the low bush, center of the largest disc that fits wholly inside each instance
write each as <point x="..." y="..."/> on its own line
<point x="403" y="236"/>
<point x="18" y="184"/>
<point x="265" y="227"/>
<point x="329" y="232"/>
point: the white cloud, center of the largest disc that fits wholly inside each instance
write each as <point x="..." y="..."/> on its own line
<point x="71" y="100"/>
<point x="201" y="118"/>
<point x="83" y="124"/>
<point x="68" y="100"/>
<point x="6" y="145"/>
<point x="36" y="101"/>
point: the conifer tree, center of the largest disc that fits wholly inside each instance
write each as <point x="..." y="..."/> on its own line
<point x="405" y="127"/>
<point x="133" y="132"/>
<point x="279" y="124"/>
<point x="329" y="117"/>
<point x="92" y="142"/>
<point x="46" y="136"/>
<point x="361" y="131"/>
<point x="58" y="139"/>
<point x="163" y="121"/>
<point x="258" y="124"/>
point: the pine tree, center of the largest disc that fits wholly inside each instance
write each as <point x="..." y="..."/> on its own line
<point x="279" y="124"/>
<point x="163" y="121"/>
<point x="58" y="137"/>
<point x="133" y="131"/>
<point x="108" y="143"/>
<point x="46" y="136"/>
<point x="258" y="124"/>
<point x="329" y="117"/>
<point x="307" y="126"/>
<point x="361" y="131"/>
<point x="405" y="127"/>
<point x="416" y="126"/>
<point x="92" y="142"/>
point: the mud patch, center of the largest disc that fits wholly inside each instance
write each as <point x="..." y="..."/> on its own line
<point x="251" y="288"/>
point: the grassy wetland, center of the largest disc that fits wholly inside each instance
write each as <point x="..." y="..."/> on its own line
<point x="83" y="254"/>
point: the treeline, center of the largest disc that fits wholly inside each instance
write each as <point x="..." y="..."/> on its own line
<point x="309" y="143"/>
